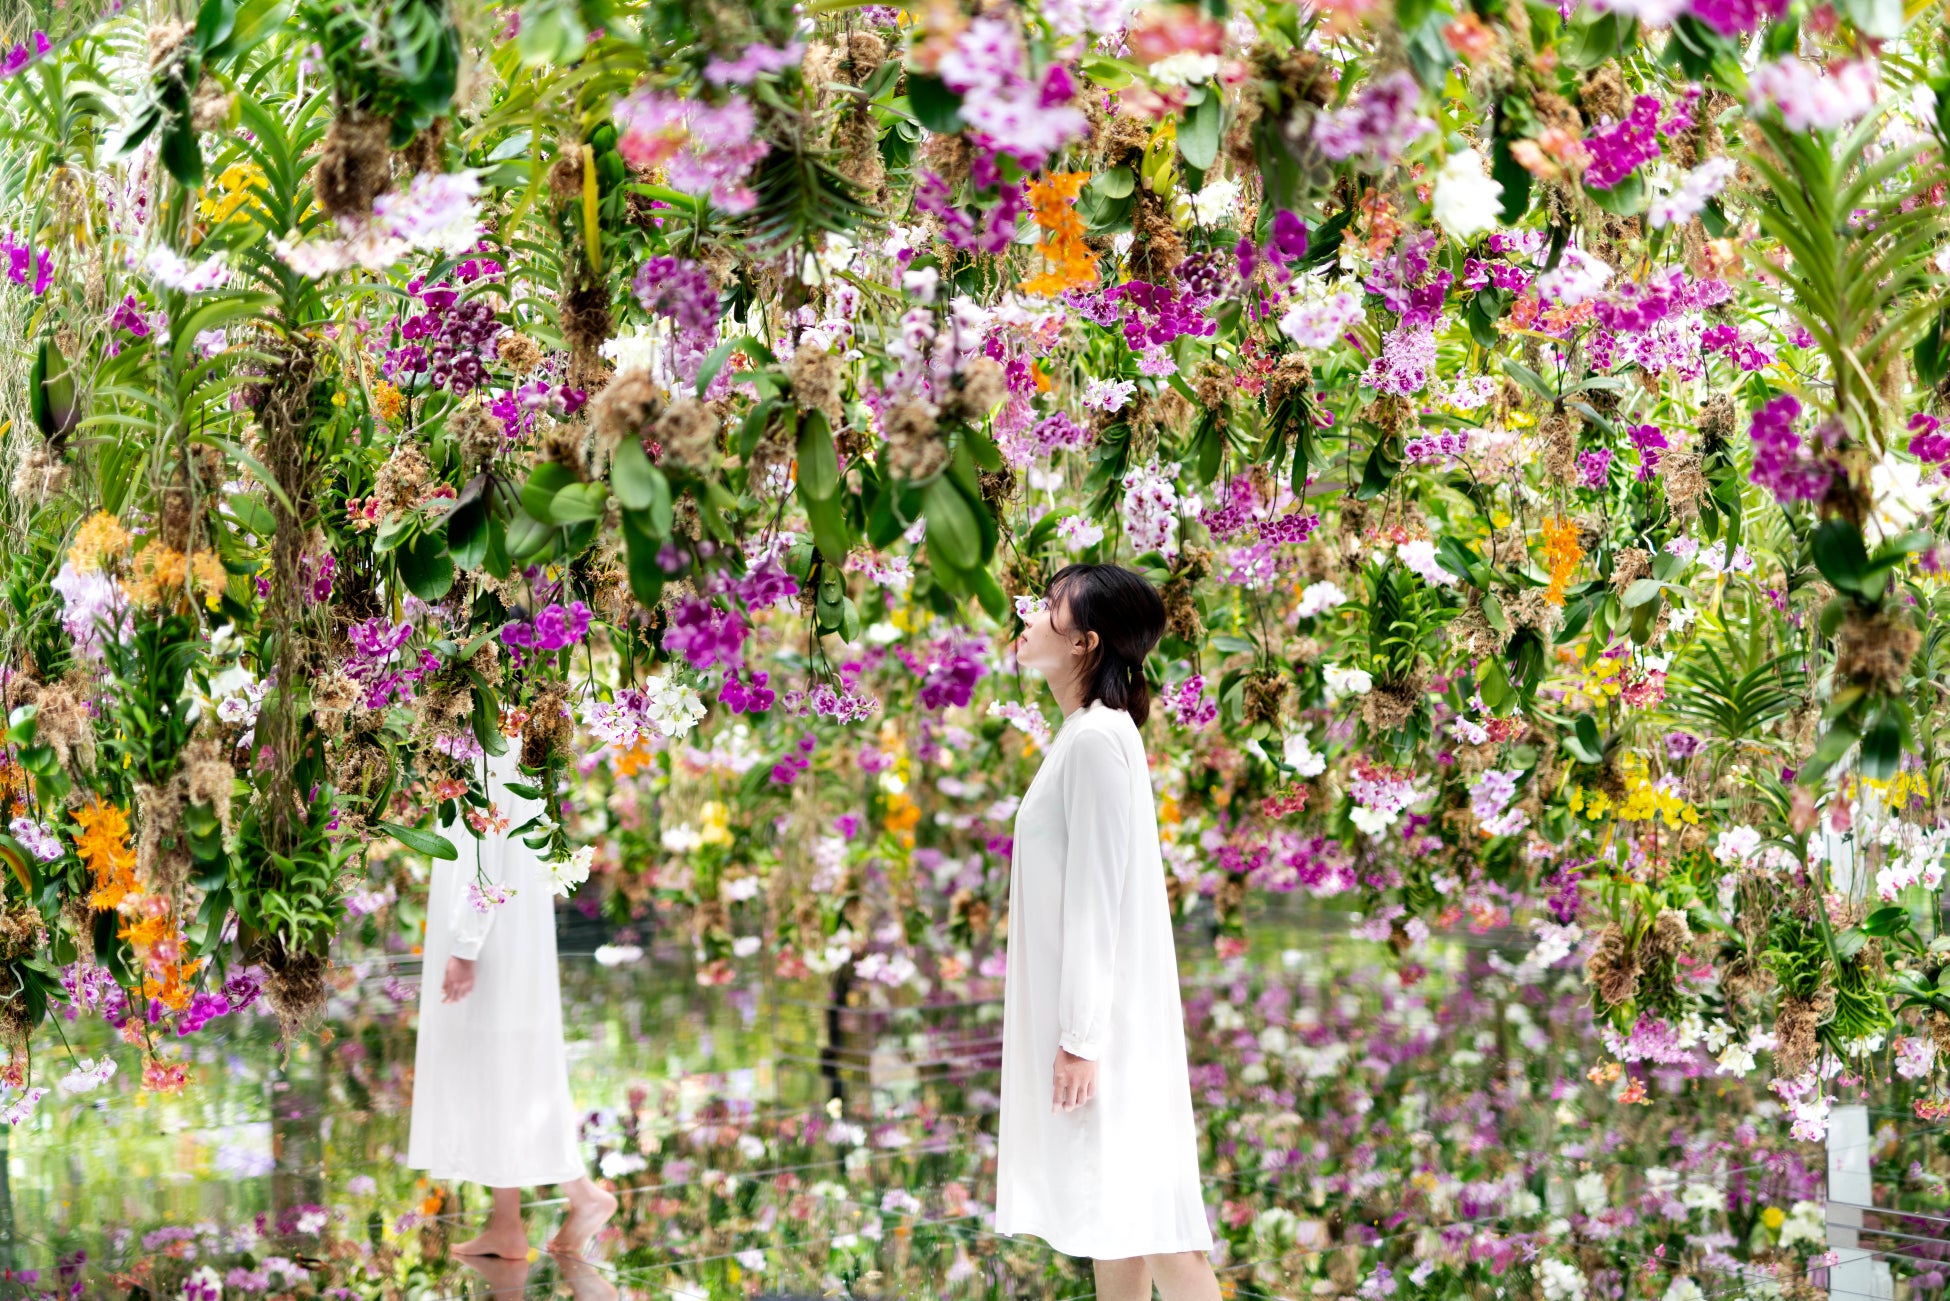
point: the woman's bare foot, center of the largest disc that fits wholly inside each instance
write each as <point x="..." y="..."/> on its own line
<point x="509" y="1243"/>
<point x="589" y="1209"/>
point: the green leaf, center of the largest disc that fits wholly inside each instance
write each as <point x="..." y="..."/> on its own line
<point x="1117" y="183"/>
<point x="214" y="22"/>
<point x="255" y="22"/>
<point x="1199" y="131"/>
<point x="423" y="842"/>
<point x="467" y="533"/>
<point x="1641" y="591"/>
<point x="935" y="106"/>
<point x="426" y="568"/>
<point x="1583" y="742"/>
<point x="538" y="494"/>
<point x="952" y="531"/>
<point x="1884" y="922"/>
<point x="828" y="522"/>
<point x="1840" y="555"/>
<point x="819" y="464"/>
<point x="1625" y="199"/>
<point x="633" y="478"/>
<point x="579" y="503"/>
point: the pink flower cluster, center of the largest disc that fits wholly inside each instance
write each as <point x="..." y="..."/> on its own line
<point x="1378" y="124"/>
<point x="1010" y="111"/>
<point x="704" y="149"/>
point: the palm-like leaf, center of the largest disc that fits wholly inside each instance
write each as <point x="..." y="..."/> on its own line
<point x="1860" y="233"/>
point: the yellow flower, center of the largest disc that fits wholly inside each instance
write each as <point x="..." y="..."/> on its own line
<point x="717" y="823"/>
<point x="1773" y="1217"/>
<point x="232" y="188"/>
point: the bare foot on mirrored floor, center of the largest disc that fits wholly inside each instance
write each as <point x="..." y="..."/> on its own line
<point x="504" y="1278"/>
<point x="499" y="1241"/>
<point x="589" y="1209"/>
<point x="586" y="1282"/>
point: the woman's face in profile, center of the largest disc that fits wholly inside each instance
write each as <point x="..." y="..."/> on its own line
<point x="1043" y="646"/>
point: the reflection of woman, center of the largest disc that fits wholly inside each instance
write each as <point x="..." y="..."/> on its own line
<point x="490" y="1078"/>
<point x="1098" y="1155"/>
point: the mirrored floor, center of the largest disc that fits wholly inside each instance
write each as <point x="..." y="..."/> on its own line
<point x="1361" y="1137"/>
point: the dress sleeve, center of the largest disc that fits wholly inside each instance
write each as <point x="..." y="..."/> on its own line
<point x="1097" y="809"/>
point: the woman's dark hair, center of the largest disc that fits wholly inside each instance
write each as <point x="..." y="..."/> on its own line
<point x="1128" y="616"/>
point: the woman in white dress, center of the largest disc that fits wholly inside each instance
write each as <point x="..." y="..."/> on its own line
<point x="490" y="1077"/>
<point x="1098" y="1154"/>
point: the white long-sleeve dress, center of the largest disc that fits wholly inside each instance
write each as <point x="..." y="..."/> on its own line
<point x="491" y="1098"/>
<point x="1092" y="967"/>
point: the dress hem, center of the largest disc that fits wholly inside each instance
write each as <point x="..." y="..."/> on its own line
<point x="1119" y="1254"/>
<point x="452" y="1174"/>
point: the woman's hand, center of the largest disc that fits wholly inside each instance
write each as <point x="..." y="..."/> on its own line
<point x="1076" y="1081"/>
<point x="458" y="982"/>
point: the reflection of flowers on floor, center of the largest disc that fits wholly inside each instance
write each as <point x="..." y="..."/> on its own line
<point x="1360" y="1138"/>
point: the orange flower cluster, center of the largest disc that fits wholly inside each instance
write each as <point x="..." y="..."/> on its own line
<point x="103" y="847"/>
<point x="1052" y="203"/>
<point x="161" y="571"/>
<point x="1562" y="553"/>
<point x="388" y="401"/>
<point x="100" y="539"/>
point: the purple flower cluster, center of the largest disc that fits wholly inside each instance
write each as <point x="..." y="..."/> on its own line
<point x="1726" y="339"/>
<point x="766" y="586"/>
<point x="1171" y="316"/>
<point x="1736" y="17"/>
<point x="1188" y="705"/>
<point x="796" y="761"/>
<point x="1681" y="746"/>
<point x="997" y="224"/>
<point x="128" y="316"/>
<point x="1395" y="280"/>
<point x="1008" y="109"/>
<point x="555" y="627"/>
<point x="1236" y="515"/>
<point x="1293" y="527"/>
<point x="679" y="289"/>
<point x="1435" y="447"/>
<point x="21" y="259"/>
<point x="1287" y="241"/>
<point x="740" y="698"/>
<point x="1618" y="150"/>
<point x="1594" y="467"/>
<point x="948" y="674"/>
<point x="1209" y="276"/>
<point x="1635" y="308"/>
<point x="1055" y="433"/>
<point x="450" y="342"/>
<point x="1925" y="443"/>
<point x="1648" y="441"/>
<point x="1781" y="464"/>
<point x="21" y="55"/>
<point x="518" y="408"/>
<point x="706" y="635"/>
<point x="1407" y="357"/>
<point x="376" y="643"/>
